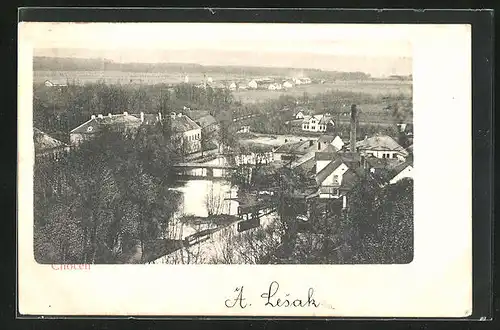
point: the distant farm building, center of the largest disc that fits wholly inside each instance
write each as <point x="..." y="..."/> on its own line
<point x="52" y="83"/>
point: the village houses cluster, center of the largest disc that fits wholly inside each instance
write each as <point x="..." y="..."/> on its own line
<point x="271" y="84"/>
<point x="334" y="164"/>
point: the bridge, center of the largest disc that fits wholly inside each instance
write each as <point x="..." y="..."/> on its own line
<point x="203" y="170"/>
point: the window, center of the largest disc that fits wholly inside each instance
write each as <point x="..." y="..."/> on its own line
<point x="394" y="155"/>
<point x="313" y="127"/>
<point x="335" y="178"/>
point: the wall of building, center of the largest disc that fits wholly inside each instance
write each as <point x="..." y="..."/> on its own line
<point x="335" y="178"/>
<point x="385" y="154"/>
<point x="192" y="140"/>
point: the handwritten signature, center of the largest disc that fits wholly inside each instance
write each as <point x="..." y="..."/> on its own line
<point x="273" y="298"/>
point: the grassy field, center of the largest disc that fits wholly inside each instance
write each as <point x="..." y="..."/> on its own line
<point x="382" y="87"/>
<point x="373" y="87"/>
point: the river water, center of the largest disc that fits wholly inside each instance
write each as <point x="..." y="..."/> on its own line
<point x="226" y="245"/>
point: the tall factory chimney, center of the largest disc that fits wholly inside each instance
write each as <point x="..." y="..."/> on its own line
<point x="354" y="120"/>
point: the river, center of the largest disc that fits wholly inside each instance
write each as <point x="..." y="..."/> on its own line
<point x="226" y="245"/>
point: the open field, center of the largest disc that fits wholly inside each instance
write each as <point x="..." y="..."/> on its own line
<point x="120" y="77"/>
<point x="372" y="87"/>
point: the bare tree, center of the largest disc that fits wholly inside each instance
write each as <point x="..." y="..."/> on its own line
<point x="214" y="202"/>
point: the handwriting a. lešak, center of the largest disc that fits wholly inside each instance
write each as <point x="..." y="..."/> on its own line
<point x="273" y="297"/>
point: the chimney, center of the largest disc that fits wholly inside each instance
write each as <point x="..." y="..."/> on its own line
<point x="159" y="116"/>
<point x="354" y="119"/>
<point x="100" y="116"/>
<point x="125" y="113"/>
<point x="92" y="117"/>
<point x="142" y="117"/>
<point x="110" y="115"/>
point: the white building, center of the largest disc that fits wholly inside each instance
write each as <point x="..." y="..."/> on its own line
<point x="316" y="123"/>
<point x="186" y="132"/>
<point x="233" y="86"/>
<point x="381" y="146"/>
<point x="337" y="143"/>
<point x="404" y="170"/>
<point x="306" y="80"/>
<point x="253" y="84"/>
<point x="336" y="174"/>
<point x="274" y="87"/>
<point x="287" y="84"/>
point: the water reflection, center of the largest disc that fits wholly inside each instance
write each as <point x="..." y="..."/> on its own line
<point x="226" y="245"/>
<point x="194" y="195"/>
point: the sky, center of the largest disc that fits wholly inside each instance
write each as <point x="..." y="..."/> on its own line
<point x="375" y="49"/>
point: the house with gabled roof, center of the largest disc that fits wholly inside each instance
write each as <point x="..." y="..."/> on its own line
<point x="401" y="171"/>
<point x="186" y="132"/>
<point x="294" y="151"/>
<point x="317" y="123"/>
<point x="381" y="146"/>
<point x="337" y="173"/>
<point x="55" y="83"/>
<point x="124" y="123"/>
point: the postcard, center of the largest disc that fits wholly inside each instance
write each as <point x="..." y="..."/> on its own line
<point x="244" y="169"/>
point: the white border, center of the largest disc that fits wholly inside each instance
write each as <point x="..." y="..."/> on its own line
<point x="438" y="283"/>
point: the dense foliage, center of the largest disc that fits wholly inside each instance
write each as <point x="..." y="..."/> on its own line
<point x="105" y="200"/>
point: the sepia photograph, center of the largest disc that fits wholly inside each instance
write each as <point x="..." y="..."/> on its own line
<point x="244" y="169"/>
<point x="240" y="152"/>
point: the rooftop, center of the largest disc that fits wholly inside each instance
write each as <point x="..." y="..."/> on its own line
<point x="95" y="124"/>
<point x="381" y="143"/>
<point x="206" y="121"/>
<point x="327" y="170"/>
<point x="44" y="142"/>
<point x="149" y="118"/>
<point x="183" y="124"/>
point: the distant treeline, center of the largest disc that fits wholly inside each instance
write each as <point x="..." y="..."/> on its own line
<point x="94" y="64"/>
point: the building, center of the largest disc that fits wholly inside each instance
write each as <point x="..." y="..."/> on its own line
<point x="287" y="84"/>
<point x="401" y="171"/>
<point x="52" y="83"/>
<point x="244" y="129"/>
<point x="381" y="146"/>
<point x="297" y="81"/>
<point x="388" y="170"/>
<point x="207" y="123"/>
<point x="186" y="132"/>
<point x="301" y="112"/>
<point x="148" y="118"/>
<point x="337" y="143"/>
<point x="253" y="84"/>
<point x="294" y="151"/>
<point x="337" y="174"/>
<point x="306" y="80"/>
<point x="124" y="123"/>
<point x="47" y="147"/>
<point x="233" y="86"/>
<point x="254" y="153"/>
<point x="317" y="123"/>
<point x="275" y="87"/>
